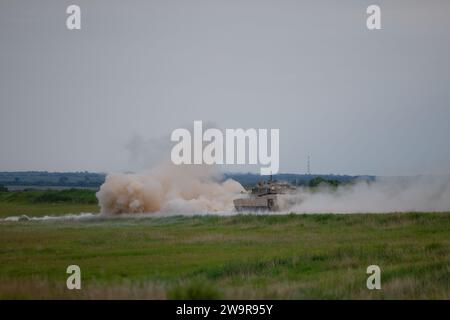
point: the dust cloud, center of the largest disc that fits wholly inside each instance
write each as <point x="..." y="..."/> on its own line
<point x="399" y="194"/>
<point x="168" y="189"/>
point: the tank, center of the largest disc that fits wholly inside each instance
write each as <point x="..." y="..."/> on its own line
<point x="264" y="196"/>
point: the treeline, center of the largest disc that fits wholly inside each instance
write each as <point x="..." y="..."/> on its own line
<point x="49" y="196"/>
<point x="52" y="179"/>
<point x="305" y="180"/>
<point x="95" y="180"/>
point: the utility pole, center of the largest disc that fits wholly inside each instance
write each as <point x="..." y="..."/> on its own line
<point x="308" y="170"/>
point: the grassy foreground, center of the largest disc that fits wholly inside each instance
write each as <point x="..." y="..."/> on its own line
<point x="244" y="256"/>
<point x="39" y="203"/>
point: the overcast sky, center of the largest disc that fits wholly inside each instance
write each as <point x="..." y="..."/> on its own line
<point x="106" y="98"/>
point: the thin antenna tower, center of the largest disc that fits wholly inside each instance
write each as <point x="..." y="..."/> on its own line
<point x="308" y="170"/>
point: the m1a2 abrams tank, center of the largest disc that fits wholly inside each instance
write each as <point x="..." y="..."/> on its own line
<point x="264" y="196"/>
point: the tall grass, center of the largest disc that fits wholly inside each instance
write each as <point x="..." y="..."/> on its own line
<point x="244" y="256"/>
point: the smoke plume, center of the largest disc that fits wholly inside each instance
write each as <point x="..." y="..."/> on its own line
<point x="168" y="189"/>
<point x="422" y="193"/>
<point x="198" y="190"/>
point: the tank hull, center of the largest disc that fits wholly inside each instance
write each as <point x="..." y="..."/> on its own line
<point x="263" y="196"/>
<point x="261" y="203"/>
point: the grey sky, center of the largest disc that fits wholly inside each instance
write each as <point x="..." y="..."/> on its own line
<point x="357" y="101"/>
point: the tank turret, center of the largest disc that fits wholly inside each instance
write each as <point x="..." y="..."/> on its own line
<point x="264" y="196"/>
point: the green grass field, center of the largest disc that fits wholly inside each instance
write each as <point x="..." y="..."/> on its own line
<point x="239" y="257"/>
<point x="38" y="203"/>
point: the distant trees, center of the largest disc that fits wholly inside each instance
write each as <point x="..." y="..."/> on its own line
<point x="63" y="180"/>
<point x="314" y="183"/>
<point x="65" y="196"/>
<point x="3" y="188"/>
